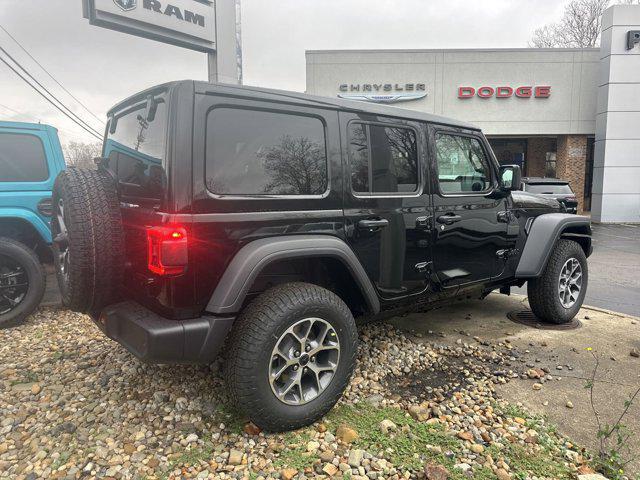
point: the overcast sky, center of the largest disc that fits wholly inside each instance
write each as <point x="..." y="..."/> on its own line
<point x="101" y="67"/>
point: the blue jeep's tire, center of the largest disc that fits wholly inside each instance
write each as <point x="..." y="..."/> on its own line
<point x="88" y="239"/>
<point x="22" y="282"/>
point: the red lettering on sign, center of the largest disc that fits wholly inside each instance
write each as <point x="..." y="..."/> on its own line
<point x="466" y="92"/>
<point x="523" y="92"/>
<point x="543" y="91"/>
<point x="504" y="92"/>
<point x="486" y="92"/>
<point x="540" y="91"/>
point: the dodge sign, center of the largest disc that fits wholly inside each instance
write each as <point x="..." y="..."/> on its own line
<point x="186" y="23"/>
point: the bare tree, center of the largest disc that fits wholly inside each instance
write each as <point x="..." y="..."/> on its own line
<point x="295" y="166"/>
<point x="579" y="27"/>
<point x="82" y="154"/>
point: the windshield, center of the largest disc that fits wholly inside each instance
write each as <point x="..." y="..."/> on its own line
<point x="136" y="149"/>
<point x="548" y="188"/>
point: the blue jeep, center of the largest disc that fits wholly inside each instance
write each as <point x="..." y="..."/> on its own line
<point x="30" y="159"/>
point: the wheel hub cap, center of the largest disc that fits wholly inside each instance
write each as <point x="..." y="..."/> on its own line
<point x="570" y="283"/>
<point x="304" y="361"/>
<point x="14" y="284"/>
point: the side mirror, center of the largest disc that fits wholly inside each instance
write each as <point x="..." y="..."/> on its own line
<point x="510" y="177"/>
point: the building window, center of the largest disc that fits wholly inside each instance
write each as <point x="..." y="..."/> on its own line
<point x="550" y="165"/>
<point x="462" y="165"/>
<point x="509" y="151"/>
<point x="383" y="159"/>
<point x="256" y="152"/>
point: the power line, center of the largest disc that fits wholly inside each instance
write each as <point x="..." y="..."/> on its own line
<point x="62" y="105"/>
<point x="87" y="129"/>
<point x="16" y="111"/>
<point x="39" y="120"/>
<point x="51" y="76"/>
<point x="71" y="112"/>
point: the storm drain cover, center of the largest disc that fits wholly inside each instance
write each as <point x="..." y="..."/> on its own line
<point x="526" y="317"/>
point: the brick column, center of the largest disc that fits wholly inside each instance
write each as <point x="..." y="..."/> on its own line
<point x="571" y="158"/>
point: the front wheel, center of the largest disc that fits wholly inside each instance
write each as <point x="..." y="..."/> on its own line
<point x="22" y="282"/>
<point x="291" y="355"/>
<point x="557" y="295"/>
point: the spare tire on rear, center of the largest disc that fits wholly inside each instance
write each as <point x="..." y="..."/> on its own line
<point x="88" y="239"/>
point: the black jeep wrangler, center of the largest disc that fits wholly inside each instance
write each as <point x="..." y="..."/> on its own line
<point x="267" y="221"/>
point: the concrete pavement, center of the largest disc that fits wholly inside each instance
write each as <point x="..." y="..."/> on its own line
<point x="611" y="336"/>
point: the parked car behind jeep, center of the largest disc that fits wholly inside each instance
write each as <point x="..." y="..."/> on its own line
<point x="555" y="188"/>
<point x="30" y="159"/>
<point x="268" y="221"/>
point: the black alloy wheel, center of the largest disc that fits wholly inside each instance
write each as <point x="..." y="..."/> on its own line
<point x="14" y="284"/>
<point x="22" y="282"/>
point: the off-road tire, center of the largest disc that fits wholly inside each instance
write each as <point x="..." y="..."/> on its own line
<point x="253" y="338"/>
<point x="543" y="291"/>
<point x="95" y="239"/>
<point x="29" y="261"/>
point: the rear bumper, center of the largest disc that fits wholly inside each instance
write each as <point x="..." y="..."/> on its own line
<point x="155" y="339"/>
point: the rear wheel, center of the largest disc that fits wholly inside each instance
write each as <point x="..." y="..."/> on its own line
<point x="290" y="356"/>
<point x="557" y="295"/>
<point x="22" y="282"/>
<point x="87" y="239"/>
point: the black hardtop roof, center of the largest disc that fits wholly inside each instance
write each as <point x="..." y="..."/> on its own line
<point x="545" y="180"/>
<point x="301" y="99"/>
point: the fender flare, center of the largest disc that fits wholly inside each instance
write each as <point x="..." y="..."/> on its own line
<point x="29" y="217"/>
<point x="247" y="264"/>
<point x="543" y="234"/>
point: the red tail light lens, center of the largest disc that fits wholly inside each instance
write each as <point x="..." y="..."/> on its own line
<point x="167" y="250"/>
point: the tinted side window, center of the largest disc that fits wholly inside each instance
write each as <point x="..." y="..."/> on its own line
<point x="462" y="165"/>
<point x="136" y="151"/>
<point x="383" y="159"/>
<point x="22" y="158"/>
<point x="255" y="152"/>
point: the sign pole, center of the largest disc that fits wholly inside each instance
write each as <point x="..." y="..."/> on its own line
<point x="225" y="62"/>
<point x="212" y="60"/>
<point x="208" y="26"/>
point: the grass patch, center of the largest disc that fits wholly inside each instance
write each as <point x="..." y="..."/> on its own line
<point x="525" y="465"/>
<point x="61" y="460"/>
<point x="296" y="455"/>
<point x="189" y="458"/>
<point x="408" y="450"/>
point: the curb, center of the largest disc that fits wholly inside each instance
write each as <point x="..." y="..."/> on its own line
<point x="523" y="298"/>
<point x="610" y="312"/>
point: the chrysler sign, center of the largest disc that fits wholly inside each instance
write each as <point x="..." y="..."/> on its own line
<point x="186" y="23"/>
<point x="382" y="92"/>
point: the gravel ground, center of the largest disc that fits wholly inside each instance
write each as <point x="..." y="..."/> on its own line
<point x="74" y="404"/>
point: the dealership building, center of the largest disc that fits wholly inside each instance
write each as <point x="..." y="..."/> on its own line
<point x="569" y="113"/>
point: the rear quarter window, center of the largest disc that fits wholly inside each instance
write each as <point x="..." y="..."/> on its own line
<point x="259" y="152"/>
<point x="136" y="151"/>
<point x="22" y="158"/>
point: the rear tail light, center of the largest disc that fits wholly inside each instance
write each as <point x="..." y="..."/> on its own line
<point x="167" y="250"/>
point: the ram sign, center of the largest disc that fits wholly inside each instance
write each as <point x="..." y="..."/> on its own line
<point x="186" y="23"/>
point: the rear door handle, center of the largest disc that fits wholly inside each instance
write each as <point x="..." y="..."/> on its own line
<point x="449" y="218"/>
<point x="373" y="223"/>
